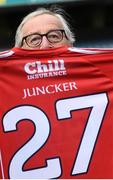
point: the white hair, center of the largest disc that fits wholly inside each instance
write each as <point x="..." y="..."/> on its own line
<point x="57" y="13"/>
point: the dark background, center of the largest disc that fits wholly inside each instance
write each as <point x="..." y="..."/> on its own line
<point x="92" y="22"/>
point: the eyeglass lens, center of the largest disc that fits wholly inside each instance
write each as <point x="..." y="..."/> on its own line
<point x="52" y="36"/>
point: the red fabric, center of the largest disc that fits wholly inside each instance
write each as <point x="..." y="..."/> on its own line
<point x="57" y="121"/>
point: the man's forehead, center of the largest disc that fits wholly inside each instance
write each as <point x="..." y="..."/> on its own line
<point x="42" y="22"/>
<point x="46" y="18"/>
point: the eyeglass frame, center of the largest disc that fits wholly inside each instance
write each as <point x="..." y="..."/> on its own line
<point x="45" y="34"/>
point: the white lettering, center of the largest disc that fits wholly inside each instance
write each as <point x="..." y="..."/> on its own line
<point x="29" y="68"/>
<point x="58" y="88"/>
<point x="66" y="86"/>
<point x="72" y="85"/>
<point x="49" y="66"/>
<point x="40" y="90"/>
<point x="62" y="65"/>
<point x="41" y="67"/>
<point x="29" y="92"/>
<point x="46" y="75"/>
<point x="50" y="89"/>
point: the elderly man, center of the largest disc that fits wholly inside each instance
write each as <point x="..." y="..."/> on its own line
<point x="43" y="29"/>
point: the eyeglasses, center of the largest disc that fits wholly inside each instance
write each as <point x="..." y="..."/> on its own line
<point x="35" y="39"/>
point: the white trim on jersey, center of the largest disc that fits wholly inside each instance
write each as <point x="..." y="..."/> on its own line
<point x="85" y="51"/>
<point x="6" y="53"/>
<point x="90" y="50"/>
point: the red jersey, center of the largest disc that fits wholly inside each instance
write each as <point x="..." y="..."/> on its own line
<point x="56" y="111"/>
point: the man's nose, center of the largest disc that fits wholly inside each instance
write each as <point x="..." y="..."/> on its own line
<point x="45" y="43"/>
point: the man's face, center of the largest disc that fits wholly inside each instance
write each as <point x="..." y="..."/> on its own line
<point x="44" y="24"/>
